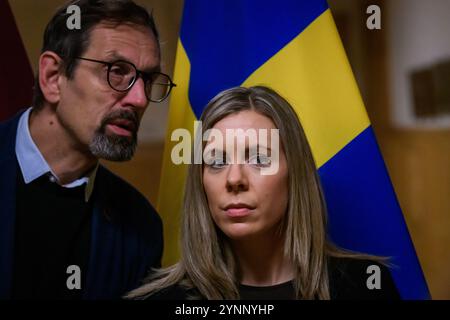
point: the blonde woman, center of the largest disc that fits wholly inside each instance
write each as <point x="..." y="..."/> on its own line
<point x="248" y="235"/>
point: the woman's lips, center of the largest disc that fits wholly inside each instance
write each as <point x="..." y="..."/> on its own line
<point x="238" y="212"/>
<point x="238" y="209"/>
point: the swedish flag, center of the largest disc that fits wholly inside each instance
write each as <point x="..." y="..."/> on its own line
<point x="292" y="46"/>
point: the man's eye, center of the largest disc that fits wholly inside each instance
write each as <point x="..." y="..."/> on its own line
<point x="259" y="160"/>
<point x="118" y="71"/>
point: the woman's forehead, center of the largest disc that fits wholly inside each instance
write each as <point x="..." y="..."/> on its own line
<point x="247" y="119"/>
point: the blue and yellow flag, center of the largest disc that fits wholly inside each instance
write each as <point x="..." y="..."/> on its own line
<point x="292" y="46"/>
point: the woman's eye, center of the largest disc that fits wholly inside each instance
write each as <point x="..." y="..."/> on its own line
<point x="217" y="163"/>
<point x="260" y="160"/>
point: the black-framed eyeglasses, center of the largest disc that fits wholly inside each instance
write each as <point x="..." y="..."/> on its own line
<point x="122" y="75"/>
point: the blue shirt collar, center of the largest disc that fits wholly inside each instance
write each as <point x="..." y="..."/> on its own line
<point x="33" y="165"/>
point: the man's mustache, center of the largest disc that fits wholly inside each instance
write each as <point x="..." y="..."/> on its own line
<point x="121" y="115"/>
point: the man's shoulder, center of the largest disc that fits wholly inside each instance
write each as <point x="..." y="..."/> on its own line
<point x="8" y="129"/>
<point x="354" y="278"/>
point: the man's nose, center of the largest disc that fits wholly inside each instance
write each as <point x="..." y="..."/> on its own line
<point x="136" y="95"/>
<point x="236" y="178"/>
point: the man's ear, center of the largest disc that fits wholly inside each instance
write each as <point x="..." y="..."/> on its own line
<point x="50" y="72"/>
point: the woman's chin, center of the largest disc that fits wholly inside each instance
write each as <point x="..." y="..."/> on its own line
<point x="239" y="231"/>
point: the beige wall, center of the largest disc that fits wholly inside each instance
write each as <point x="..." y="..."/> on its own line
<point x="419" y="166"/>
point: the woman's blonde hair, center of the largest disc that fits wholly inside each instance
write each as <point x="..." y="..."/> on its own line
<point x="207" y="262"/>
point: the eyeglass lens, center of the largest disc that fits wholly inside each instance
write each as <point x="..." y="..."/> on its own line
<point x="122" y="76"/>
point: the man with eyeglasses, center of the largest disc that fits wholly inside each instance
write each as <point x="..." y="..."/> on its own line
<point x="69" y="228"/>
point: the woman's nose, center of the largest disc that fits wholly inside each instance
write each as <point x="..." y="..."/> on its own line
<point x="236" y="178"/>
